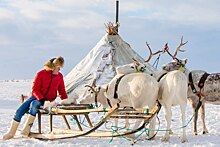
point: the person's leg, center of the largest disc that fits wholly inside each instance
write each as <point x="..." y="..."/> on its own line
<point x="17" y="118"/>
<point x="12" y="130"/>
<point x="23" y="109"/>
<point x="34" y="107"/>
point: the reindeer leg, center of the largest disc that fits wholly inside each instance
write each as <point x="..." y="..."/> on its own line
<point x="202" y="115"/>
<point x="127" y="124"/>
<point x="168" y="115"/>
<point x="132" y="136"/>
<point x="116" y="123"/>
<point x="152" y="127"/>
<point x="183" y="110"/>
<point x="195" y="117"/>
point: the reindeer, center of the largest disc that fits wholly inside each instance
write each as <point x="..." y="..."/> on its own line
<point x="201" y="84"/>
<point x="172" y="90"/>
<point x="95" y="94"/>
<point x="137" y="90"/>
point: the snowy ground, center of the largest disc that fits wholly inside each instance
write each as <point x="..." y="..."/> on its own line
<point x="10" y="99"/>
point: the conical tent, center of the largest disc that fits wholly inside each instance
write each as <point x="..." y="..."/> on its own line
<point x="99" y="65"/>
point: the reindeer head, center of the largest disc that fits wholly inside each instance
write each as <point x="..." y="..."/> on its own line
<point x="137" y="66"/>
<point x="176" y="64"/>
<point x="92" y="94"/>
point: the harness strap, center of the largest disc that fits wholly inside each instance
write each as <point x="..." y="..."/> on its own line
<point x="201" y="85"/>
<point x="191" y="83"/>
<point x="202" y="80"/>
<point x="116" y="86"/>
<point x="159" y="105"/>
<point x="96" y="98"/>
<point x="161" y="77"/>
<point x="109" y="103"/>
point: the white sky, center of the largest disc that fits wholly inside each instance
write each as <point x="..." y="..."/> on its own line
<point x="33" y="31"/>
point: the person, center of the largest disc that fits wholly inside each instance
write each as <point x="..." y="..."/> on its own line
<point x="45" y="86"/>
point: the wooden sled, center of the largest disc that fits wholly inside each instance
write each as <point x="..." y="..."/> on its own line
<point x="115" y="113"/>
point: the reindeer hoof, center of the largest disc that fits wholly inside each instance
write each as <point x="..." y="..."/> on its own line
<point x="165" y="139"/>
<point x="184" y="140"/>
<point x="205" y="132"/>
<point x="132" y="142"/>
<point x="170" y="132"/>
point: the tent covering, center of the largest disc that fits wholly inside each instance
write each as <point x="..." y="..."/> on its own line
<point x="99" y="65"/>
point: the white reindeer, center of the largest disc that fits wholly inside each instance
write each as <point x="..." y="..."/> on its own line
<point x="210" y="91"/>
<point x="172" y="91"/>
<point x="137" y="90"/>
<point x="96" y="94"/>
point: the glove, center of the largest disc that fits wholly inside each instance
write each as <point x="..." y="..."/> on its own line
<point x="67" y="101"/>
<point x="48" y="105"/>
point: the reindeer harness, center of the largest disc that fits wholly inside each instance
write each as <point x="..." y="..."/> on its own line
<point x="116" y="86"/>
<point x="200" y="85"/>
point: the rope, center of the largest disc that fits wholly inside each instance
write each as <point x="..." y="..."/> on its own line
<point x="157" y="61"/>
<point x="147" y="130"/>
<point x="116" y="129"/>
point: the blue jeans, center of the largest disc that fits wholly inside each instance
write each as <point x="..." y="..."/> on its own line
<point x="31" y="106"/>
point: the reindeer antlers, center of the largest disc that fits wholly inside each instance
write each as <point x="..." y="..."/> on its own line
<point x="177" y="49"/>
<point x="152" y="54"/>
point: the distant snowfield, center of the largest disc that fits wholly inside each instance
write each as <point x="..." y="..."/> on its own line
<point x="10" y="92"/>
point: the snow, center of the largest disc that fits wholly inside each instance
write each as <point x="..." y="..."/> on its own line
<point x="10" y="92"/>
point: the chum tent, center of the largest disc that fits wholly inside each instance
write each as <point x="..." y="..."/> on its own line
<point x="99" y="64"/>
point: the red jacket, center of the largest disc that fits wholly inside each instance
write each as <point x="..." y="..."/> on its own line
<point x="46" y="85"/>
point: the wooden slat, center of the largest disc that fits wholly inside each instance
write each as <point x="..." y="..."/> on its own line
<point x="39" y="122"/>
<point x="88" y="120"/>
<point x="58" y="111"/>
<point x="66" y="122"/>
<point x="130" y="116"/>
<point x="77" y="122"/>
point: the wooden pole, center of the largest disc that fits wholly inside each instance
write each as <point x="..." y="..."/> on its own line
<point x="117" y="7"/>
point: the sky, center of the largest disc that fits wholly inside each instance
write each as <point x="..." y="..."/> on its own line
<point x="34" y="31"/>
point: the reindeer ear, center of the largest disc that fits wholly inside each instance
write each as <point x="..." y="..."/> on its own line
<point x="185" y="61"/>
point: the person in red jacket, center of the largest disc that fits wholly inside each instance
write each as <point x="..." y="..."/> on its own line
<point x="46" y="84"/>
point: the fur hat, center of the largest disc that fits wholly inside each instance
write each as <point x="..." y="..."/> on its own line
<point x="54" y="62"/>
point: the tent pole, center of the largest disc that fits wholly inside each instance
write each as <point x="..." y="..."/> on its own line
<point x="117" y="7"/>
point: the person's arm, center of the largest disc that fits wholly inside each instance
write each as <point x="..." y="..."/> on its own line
<point x="61" y="90"/>
<point x="36" y="87"/>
